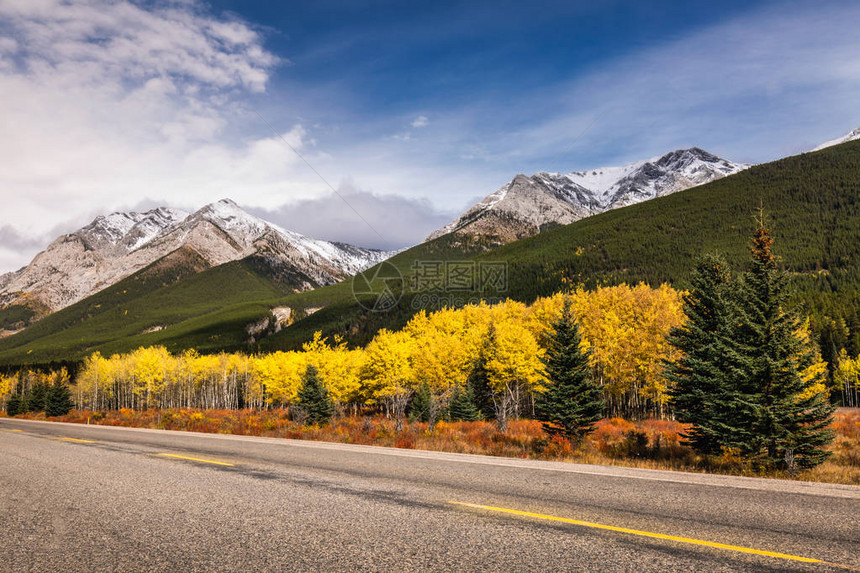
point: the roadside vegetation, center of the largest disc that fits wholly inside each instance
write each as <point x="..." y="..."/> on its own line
<point x="651" y="444"/>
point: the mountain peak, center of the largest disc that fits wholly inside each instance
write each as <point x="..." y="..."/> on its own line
<point x="527" y="204"/>
<point x="850" y="136"/>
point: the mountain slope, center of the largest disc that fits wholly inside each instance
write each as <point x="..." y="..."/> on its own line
<point x="528" y="205"/>
<point x="158" y="304"/>
<point x="113" y="247"/>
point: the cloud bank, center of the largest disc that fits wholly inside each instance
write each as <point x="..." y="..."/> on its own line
<point x="387" y="221"/>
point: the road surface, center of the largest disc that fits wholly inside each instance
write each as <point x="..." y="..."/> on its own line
<point x="96" y="498"/>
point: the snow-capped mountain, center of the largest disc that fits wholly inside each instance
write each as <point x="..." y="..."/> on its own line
<point x="115" y="246"/>
<point x="851" y="136"/>
<point x="527" y="204"/>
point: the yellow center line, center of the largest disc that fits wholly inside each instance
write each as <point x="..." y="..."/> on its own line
<point x="178" y="457"/>
<point x="77" y="440"/>
<point x="649" y="534"/>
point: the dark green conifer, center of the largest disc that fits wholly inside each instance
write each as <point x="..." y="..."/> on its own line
<point x="313" y="398"/>
<point x="58" y="399"/>
<point x="419" y="406"/>
<point x="704" y="393"/>
<point x="13" y="405"/>
<point x="462" y="407"/>
<point x="478" y="382"/>
<point x="571" y="403"/>
<point x="789" y="425"/>
<point x="37" y="397"/>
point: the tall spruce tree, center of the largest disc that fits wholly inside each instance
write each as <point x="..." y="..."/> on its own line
<point x="58" y="399"/>
<point x="37" y="397"/>
<point x="704" y="392"/>
<point x="13" y="405"/>
<point x="789" y="425"/>
<point x="571" y="403"/>
<point x="313" y="398"/>
<point x="478" y="384"/>
<point x="462" y="408"/>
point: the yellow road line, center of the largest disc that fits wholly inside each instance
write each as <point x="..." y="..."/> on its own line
<point x="77" y="440"/>
<point x="178" y="457"/>
<point x="648" y="534"/>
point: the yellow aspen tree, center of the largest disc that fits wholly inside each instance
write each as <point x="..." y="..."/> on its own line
<point x="810" y="370"/>
<point x="513" y="367"/>
<point x="847" y="378"/>
<point x="388" y="371"/>
<point x="441" y="359"/>
<point x="338" y="368"/>
<point x="7" y="385"/>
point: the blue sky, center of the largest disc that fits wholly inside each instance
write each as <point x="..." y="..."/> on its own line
<point x="412" y="112"/>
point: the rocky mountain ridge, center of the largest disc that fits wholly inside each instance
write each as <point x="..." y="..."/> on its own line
<point x="527" y="205"/>
<point x="112" y="247"/>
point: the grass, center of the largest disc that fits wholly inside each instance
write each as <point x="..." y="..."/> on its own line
<point x="650" y="444"/>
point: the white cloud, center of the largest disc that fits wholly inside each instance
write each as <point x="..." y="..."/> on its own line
<point x="420" y="121"/>
<point x="110" y="103"/>
<point x="386" y="222"/>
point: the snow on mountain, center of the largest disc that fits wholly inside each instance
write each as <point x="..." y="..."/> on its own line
<point x="115" y="246"/>
<point x="125" y="232"/>
<point x="527" y="204"/>
<point x="851" y="136"/>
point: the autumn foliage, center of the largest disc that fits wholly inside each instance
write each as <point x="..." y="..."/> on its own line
<point x="624" y="327"/>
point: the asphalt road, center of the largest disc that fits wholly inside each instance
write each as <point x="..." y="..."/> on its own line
<point x="94" y="498"/>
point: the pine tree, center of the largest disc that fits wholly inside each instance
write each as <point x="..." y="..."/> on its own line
<point x="789" y="425"/>
<point x="572" y="403"/>
<point x="313" y="398"/>
<point x="419" y="406"/>
<point x="478" y="385"/>
<point x="58" y="399"/>
<point x="37" y="397"/>
<point x="462" y="407"/>
<point x="704" y="393"/>
<point x="13" y="405"/>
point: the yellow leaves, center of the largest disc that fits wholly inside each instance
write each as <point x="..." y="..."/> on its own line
<point x="847" y="373"/>
<point x="513" y="358"/>
<point x="337" y="366"/>
<point x="7" y="384"/>
<point x="388" y="366"/>
<point x="624" y="326"/>
<point x="279" y="374"/>
<point x="813" y="369"/>
<point x="444" y="346"/>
